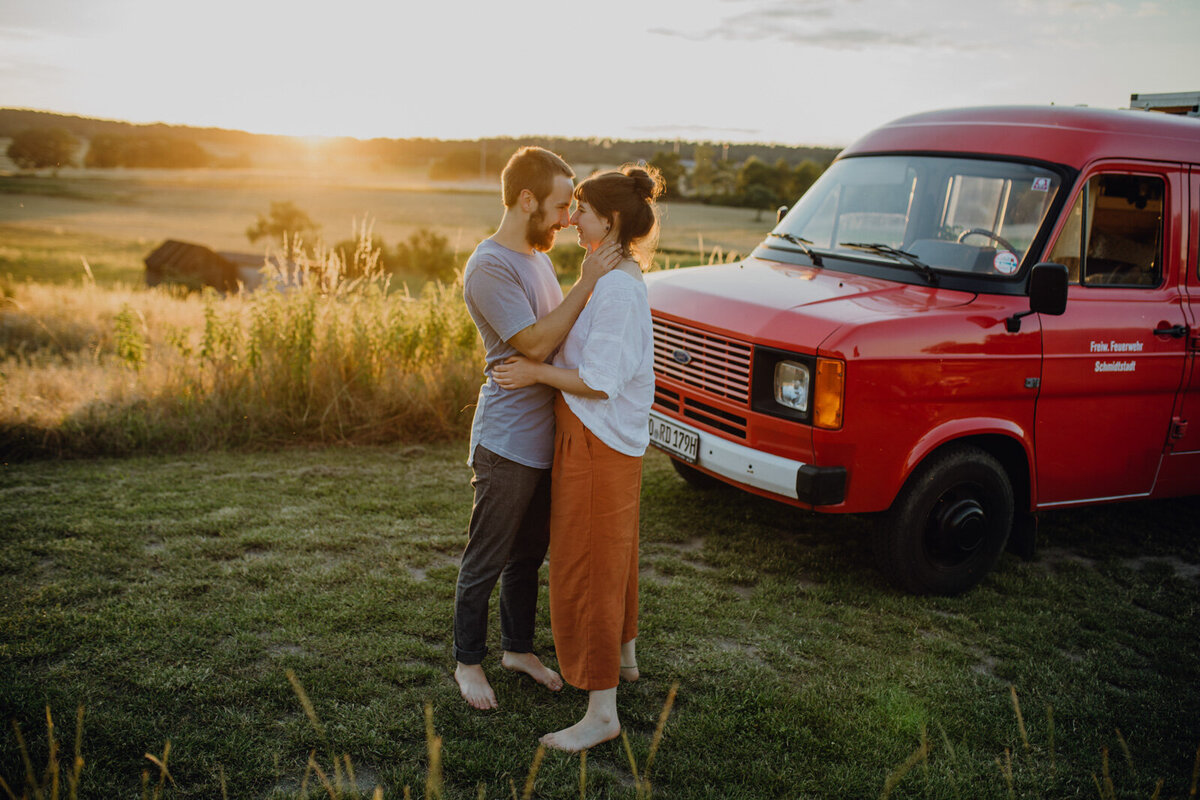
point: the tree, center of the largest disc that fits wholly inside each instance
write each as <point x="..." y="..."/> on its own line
<point x="704" y="173"/>
<point x="724" y="179"/>
<point x="672" y="172"/>
<point x="35" y="148"/>
<point x="285" y="221"/>
<point x="427" y="253"/>
<point x="145" y="150"/>
<point x="760" y="197"/>
<point x="755" y="172"/>
<point x="106" y="150"/>
<point x="803" y="177"/>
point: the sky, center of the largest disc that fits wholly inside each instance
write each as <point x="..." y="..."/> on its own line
<point x="796" y="72"/>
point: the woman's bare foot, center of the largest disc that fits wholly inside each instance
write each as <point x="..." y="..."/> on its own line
<point x="629" y="668"/>
<point x="598" y="725"/>
<point x="585" y="734"/>
<point x="473" y="684"/>
<point x="532" y="666"/>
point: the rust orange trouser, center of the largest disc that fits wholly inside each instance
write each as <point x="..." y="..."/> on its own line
<point x="594" y="497"/>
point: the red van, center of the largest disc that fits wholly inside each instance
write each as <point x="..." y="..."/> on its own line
<point x="973" y="315"/>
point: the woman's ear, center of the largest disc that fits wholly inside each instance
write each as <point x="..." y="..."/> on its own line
<point x="613" y="229"/>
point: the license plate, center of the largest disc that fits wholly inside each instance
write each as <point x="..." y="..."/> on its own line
<point x="677" y="441"/>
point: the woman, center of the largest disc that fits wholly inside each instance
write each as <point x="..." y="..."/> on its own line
<point x="605" y="375"/>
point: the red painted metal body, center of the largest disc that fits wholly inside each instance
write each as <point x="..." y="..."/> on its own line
<point x="930" y="365"/>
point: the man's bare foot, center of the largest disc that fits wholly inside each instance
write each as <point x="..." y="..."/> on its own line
<point x="629" y="668"/>
<point x="532" y="666"/>
<point x="587" y="733"/>
<point x="473" y="684"/>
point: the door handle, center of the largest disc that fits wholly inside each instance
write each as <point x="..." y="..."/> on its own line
<point x="1176" y="332"/>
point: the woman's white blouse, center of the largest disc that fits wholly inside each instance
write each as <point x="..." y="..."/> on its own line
<point x="612" y="346"/>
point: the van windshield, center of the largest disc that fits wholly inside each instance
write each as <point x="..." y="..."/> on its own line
<point x="957" y="215"/>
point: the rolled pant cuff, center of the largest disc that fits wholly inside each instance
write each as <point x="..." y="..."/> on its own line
<point x="517" y="645"/>
<point x="469" y="657"/>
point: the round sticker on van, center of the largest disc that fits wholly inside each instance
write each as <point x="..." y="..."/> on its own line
<point x="1005" y="262"/>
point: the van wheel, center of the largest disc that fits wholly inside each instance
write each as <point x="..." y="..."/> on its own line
<point x="695" y="478"/>
<point x="949" y="524"/>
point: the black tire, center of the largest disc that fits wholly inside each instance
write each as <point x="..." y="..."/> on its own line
<point x="695" y="478"/>
<point x="949" y="524"/>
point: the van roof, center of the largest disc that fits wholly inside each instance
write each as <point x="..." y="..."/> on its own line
<point x="1058" y="134"/>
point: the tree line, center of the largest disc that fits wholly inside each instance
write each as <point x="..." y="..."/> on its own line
<point x="757" y="176"/>
<point x="40" y="148"/>
<point x="752" y="183"/>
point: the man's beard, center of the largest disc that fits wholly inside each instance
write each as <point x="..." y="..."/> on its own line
<point x="540" y="238"/>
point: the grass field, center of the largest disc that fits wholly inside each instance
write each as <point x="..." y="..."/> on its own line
<point x="113" y="218"/>
<point x="71" y="251"/>
<point x="170" y="595"/>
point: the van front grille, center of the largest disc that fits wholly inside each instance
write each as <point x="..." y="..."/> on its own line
<point x="715" y="418"/>
<point x="702" y="360"/>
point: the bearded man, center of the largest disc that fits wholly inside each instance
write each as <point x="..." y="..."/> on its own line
<point x="513" y="295"/>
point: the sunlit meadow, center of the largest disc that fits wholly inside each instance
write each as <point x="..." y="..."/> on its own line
<point x="315" y="357"/>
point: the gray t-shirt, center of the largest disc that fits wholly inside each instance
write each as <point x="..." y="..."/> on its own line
<point x="506" y="292"/>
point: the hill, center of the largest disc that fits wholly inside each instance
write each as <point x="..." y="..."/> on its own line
<point x="450" y="157"/>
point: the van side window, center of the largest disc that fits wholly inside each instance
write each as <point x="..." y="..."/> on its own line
<point x="1121" y="221"/>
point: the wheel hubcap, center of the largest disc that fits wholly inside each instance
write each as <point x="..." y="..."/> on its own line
<point x="957" y="528"/>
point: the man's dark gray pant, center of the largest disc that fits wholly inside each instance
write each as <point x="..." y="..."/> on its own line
<point x="507" y="540"/>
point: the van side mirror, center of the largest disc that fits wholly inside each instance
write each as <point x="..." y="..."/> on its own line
<point x="1047" y="294"/>
<point x="780" y="213"/>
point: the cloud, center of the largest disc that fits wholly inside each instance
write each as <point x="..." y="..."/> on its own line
<point x="62" y="16"/>
<point x="758" y="22"/>
<point x="815" y="23"/>
<point x="1083" y="10"/>
<point x="830" y="38"/>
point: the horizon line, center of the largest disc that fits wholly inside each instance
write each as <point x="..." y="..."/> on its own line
<point x="336" y="137"/>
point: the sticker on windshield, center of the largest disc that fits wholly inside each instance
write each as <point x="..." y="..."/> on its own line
<point x="1005" y="262"/>
<point x="1041" y="184"/>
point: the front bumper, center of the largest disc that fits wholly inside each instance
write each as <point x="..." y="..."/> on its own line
<point x="795" y="480"/>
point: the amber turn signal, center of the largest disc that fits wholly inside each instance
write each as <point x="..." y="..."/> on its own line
<point x="830" y="390"/>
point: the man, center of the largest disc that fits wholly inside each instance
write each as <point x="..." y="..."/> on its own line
<point x="514" y="298"/>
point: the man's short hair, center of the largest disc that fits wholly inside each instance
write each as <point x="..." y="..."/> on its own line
<point x="532" y="168"/>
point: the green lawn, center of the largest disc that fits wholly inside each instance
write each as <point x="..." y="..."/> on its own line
<point x="169" y="595"/>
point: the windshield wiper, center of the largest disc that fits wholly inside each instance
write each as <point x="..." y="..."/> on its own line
<point x="907" y="258"/>
<point x="802" y="243"/>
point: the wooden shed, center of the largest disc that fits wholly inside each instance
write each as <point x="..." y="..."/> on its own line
<point x="196" y="266"/>
<point x="192" y="265"/>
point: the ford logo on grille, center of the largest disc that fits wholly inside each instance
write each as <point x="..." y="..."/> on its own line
<point x="682" y="356"/>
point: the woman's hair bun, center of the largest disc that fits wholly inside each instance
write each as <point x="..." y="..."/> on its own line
<point x="647" y="181"/>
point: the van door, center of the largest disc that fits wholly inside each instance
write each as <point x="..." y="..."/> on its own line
<point x="1180" y="474"/>
<point x="1114" y="361"/>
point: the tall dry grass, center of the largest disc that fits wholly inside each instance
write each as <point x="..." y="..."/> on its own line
<point x="338" y="782"/>
<point x="318" y="357"/>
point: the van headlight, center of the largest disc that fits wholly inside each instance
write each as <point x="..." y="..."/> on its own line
<point x="792" y="381"/>
<point x="798" y="387"/>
